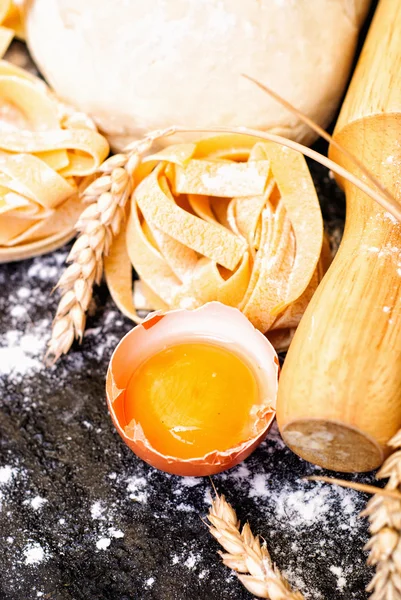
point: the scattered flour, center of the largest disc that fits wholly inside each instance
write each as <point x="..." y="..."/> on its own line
<point x="103" y="517"/>
<point x="23" y="347"/>
<point x="259" y="487"/>
<point x="303" y="507"/>
<point x="34" y="554"/>
<point x="9" y="476"/>
<point x="296" y="578"/>
<point x="6" y="474"/>
<point x="43" y="271"/>
<point x="36" y="503"/>
<point x="207" y="498"/>
<point x="191" y="481"/>
<point x="188" y="559"/>
<point x="191" y="561"/>
<point x="116" y="533"/>
<point x="341" y="580"/>
<point x="103" y="543"/>
<point x="300" y="519"/>
<point x="185" y="507"/>
<point x="21" y="352"/>
<point x="18" y="311"/>
<point x="242" y="472"/>
<point x="97" y="509"/>
<point x="23" y="293"/>
<point x="136" y="487"/>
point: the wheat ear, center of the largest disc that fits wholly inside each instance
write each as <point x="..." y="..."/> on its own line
<point x="99" y="223"/>
<point x="384" y="515"/>
<point x="246" y="555"/>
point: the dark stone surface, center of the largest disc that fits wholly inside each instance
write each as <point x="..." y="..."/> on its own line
<point x="59" y="441"/>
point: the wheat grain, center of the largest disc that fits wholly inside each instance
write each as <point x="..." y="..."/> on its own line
<point x="98" y="224"/>
<point x="384" y="514"/>
<point x="245" y="554"/>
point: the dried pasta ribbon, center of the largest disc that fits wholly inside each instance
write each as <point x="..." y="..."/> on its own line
<point x="45" y="152"/>
<point x="10" y="24"/>
<point x="228" y="218"/>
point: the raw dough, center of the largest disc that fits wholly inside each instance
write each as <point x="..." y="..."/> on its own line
<point x="135" y="66"/>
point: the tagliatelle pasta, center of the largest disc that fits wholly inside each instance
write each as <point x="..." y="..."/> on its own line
<point x="46" y="149"/>
<point x="229" y="218"/>
<point x="45" y="152"/>
<point x="10" y="24"/>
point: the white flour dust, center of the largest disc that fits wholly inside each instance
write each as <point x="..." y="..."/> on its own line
<point x="103" y="543"/>
<point x="136" y="488"/>
<point x="10" y="476"/>
<point x="341" y="580"/>
<point x="103" y="517"/>
<point x="34" y="554"/>
<point x="15" y="478"/>
<point x="259" y="488"/>
<point x="21" y="352"/>
<point x="6" y="474"/>
<point x="97" y="510"/>
<point x="41" y="270"/>
<point x="191" y="561"/>
<point x="188" y="559"/>
<point x="115" y="533"/>
<point x="185" y="507"/>
<point x="36" y="503"/>
<point x="23" y="347"/>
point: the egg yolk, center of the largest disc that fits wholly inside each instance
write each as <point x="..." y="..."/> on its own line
<point x="193" y="398"/>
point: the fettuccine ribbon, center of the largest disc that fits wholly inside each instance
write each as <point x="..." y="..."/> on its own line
<point x="231" y="219"/>
<point x="45" y="151"/>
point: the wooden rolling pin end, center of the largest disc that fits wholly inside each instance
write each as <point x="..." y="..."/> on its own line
<point x="333" y="445"/>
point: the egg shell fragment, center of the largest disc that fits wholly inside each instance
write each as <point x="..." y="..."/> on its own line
<point x="214" y="323"/>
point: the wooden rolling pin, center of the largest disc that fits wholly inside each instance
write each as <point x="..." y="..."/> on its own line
<point x="340" y="389"/>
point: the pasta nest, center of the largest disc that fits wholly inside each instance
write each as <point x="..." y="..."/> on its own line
<point x="228" y="218"/>
<point x="47" y="150"/>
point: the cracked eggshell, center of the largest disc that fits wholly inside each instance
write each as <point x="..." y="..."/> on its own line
<point x="213" y="322"/>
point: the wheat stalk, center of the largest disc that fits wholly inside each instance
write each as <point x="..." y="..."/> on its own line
<point x="98" y="224"/>
<point x="384" y="515"/>
<point x="246" y="555"/>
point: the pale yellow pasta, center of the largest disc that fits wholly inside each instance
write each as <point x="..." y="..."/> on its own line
<point x="227" y="218"/>
<point x="8" y="19"/>
<point x="45" y="151"/>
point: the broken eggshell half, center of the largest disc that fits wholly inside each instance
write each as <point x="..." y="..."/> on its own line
<point x="214" y="323"/>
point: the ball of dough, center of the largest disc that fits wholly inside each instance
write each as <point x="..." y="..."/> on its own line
<point x="136" y="66"/>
